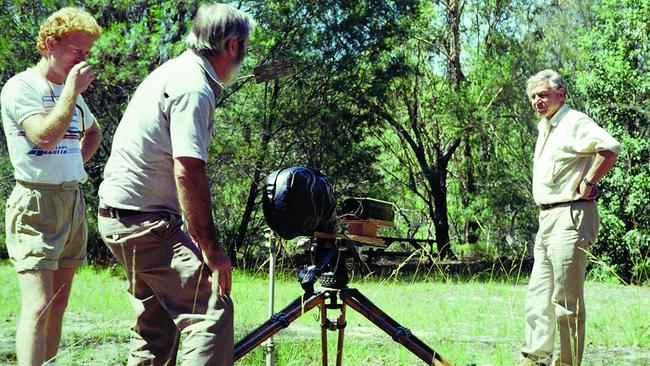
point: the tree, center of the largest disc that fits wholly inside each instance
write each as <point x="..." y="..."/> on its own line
<point x="614" y="86"/>
<point x="446" y="87"/>
<point x="304" y="119"/>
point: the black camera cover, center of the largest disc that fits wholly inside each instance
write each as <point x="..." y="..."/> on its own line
<point x="298" y="201"/>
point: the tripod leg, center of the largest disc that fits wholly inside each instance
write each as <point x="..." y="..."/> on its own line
<point x="277" y="322"/>
<point x="365" y="307"/>
<point x="339" y="345"/>
<point x="323" y="333"/>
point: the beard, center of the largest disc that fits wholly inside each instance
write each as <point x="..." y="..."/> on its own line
<point x="232" y="75"/>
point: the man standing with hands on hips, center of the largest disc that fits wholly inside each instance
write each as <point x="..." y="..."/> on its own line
<point x="179" y="277"/>
<point x="50" y="134"/>
<point x="571" y="155"/>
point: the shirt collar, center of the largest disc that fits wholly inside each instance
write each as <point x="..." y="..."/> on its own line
<point x="558" y="115"/>
<point x="209" y="70"/>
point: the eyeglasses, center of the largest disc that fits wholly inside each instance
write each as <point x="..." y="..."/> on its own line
<point x="83" y="119"/>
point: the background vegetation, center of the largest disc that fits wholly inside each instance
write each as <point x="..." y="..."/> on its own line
<point x="420" y="103"/>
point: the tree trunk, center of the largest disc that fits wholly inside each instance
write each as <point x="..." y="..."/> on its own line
<point x="439" y="212"/>
<point x="250" y="201"/>
<point x="439" y="189"/>
<point x="454" y="14"/>
<point x="471" y="226"/>
<point x="455" y="72"/>
<point x="255" y="181"/>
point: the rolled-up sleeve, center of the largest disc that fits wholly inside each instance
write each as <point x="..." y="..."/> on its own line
<point x="591" y="138"/>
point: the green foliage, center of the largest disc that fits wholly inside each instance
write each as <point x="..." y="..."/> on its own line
<point x="502" y="134"/>
<point x="302" y="120"/>
<point x="6" y="185"/>
<point x="400" y="100"/>
<point x="615" y="89"/>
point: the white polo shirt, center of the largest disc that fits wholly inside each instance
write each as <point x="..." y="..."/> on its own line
<point x="169" y="116"/>
<point x="29" y="93"/>
<point x="566" y="147"/>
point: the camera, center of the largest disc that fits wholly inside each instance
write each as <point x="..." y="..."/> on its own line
<point x="300" y="201"/>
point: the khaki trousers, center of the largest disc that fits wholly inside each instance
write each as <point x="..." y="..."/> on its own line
<point x="555" y="297"/>
<point x="170" y="290"/>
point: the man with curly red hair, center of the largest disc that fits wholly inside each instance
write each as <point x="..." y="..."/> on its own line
<point x="50" y="134"/>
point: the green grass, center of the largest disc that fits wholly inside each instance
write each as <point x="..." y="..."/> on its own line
<point x="467" y="321"/>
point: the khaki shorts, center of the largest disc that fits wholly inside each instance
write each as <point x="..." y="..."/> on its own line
<point x="46" y="226"/>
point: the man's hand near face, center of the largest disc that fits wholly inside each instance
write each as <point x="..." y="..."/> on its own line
<point x="80" y="77"/>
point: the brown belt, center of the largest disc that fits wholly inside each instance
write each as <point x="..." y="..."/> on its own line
<point x="65" y="186"/>
<point x="548" y="206"/>
<point x="117" y="213"/>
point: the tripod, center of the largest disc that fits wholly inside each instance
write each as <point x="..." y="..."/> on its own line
<point x="334" y="278"/>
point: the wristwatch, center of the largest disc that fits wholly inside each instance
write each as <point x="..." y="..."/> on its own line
<point x="587" y="182"/>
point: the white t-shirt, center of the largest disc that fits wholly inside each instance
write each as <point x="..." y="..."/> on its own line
<point x="29" y="93"/>
<point x="170" y="115"/>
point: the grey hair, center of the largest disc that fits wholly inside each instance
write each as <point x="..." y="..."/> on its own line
<point x="555" y="80"/>
<point x="214" y="25"/>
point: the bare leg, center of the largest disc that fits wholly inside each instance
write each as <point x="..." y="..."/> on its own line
<point x="36" y="296"/>
<point x="62" y="283"/>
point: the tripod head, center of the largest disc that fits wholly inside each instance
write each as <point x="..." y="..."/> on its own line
<point x="331" y="262"/>
<point x="333" y="255"/>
